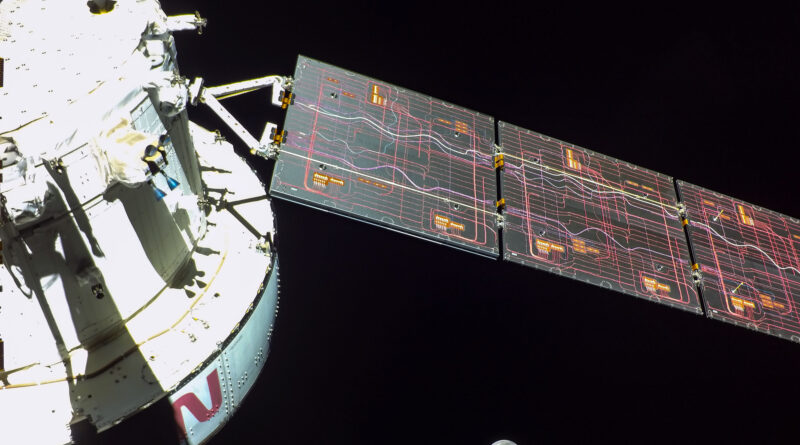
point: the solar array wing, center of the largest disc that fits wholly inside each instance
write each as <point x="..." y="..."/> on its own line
<point x="375" y="152"/>
<point x="750" y="261"/>
<point x="593" y="218"/>
<point x="370" y="150"/>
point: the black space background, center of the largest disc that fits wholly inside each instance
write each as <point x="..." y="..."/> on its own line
<point x="397" y="341"/>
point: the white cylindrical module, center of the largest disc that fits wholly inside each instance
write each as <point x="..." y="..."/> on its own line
<point x="126" y="277"/>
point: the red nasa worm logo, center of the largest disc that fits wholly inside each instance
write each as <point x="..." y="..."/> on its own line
<point x="195" y="406"/>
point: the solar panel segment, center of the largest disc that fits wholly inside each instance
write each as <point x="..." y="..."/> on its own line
<point x="750" y="261"/>
<point x="373" y="151"/>
<point x="593" y="218"/>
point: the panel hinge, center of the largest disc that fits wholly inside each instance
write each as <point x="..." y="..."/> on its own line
<point x="697" y="275"/>
<point x="681" y="210"/>
<point x="287" y="98"/>
<point x="278" y="138"/>
<point x="499" y="161"/>
<point x="501" y="221"/>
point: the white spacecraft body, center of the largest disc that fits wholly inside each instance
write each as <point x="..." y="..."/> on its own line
<point x="137" y="246"/>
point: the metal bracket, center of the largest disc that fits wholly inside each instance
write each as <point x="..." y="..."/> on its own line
<point x="186" y="22"/>
<point x="219" y="137"/>
<point x="194" y="90"/>
<point x="269" y="145"/>
<point x="265" y="244"/>
<point x="681" y="210"/>
<point x="271" y="140"/>
<point x="57" y="164"/>
<point x="199" y="22"/>
<point x="697" y="277"/>
<point x="279" y="84"/>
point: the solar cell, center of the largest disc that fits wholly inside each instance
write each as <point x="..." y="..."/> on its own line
<point x="378" y="153"/>
<point x="593" y="218"/>
<point x="749" y="258"/>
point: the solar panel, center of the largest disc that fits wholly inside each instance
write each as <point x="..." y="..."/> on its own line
<point x="750" y="261"/>
<point x="370" y="150"/>
<point x="593" y="218"/>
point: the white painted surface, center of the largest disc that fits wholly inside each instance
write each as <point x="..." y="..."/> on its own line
<point x="173" y="289"/>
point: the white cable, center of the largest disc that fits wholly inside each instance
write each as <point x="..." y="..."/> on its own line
<point x="748" y="245"/>
<point x="380" y="128"/>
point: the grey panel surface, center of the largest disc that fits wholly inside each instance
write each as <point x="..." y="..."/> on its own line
<point x="378" y="153"/>
<point x="593" y="218"/>
<point x="750" y="261"/>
